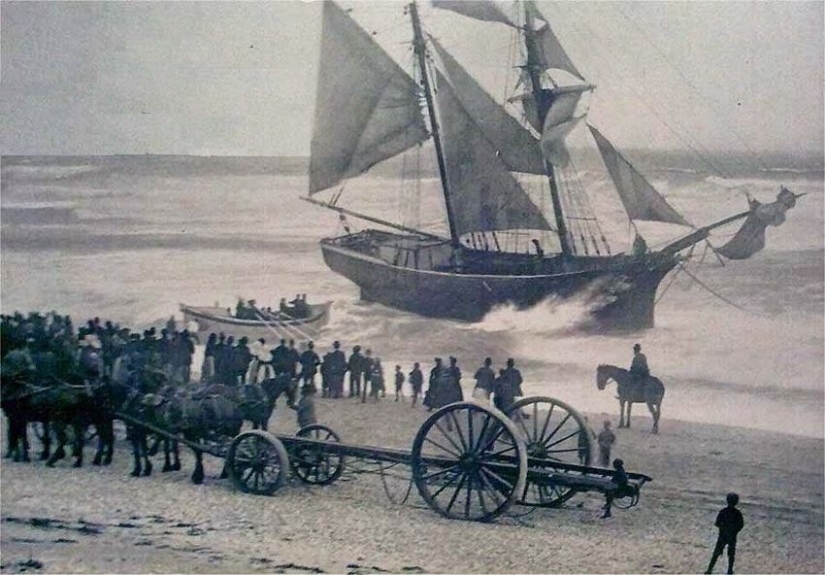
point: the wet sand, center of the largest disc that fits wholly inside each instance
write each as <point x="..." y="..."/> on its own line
<point x="100" y="520"/>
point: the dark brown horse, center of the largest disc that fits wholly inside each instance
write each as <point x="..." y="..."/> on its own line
<point x="651" y="392"/>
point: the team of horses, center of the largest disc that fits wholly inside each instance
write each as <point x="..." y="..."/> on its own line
<point x="205" y="416"/>
<point x="71" y="405"/>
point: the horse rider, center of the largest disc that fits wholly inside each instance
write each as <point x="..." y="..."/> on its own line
<point x="638" y="367"/>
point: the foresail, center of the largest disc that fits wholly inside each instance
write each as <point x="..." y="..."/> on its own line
<point x="751" y="236"/>
<point x="476" y="9"/>
<point x="367" y="108"/>
<point x="484" y="194"/>
<point x="514" y="144"/>
<point x="641" y="201"/>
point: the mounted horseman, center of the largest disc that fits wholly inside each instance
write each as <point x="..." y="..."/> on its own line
<point x="638" y="366"/>
<point x="635" y="385"/>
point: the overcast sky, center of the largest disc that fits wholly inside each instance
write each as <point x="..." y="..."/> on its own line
<point x="239" y="77"/>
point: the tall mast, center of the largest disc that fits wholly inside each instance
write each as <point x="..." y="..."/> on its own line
<point x="421" y="53"/>
<point x="542" y="106"/>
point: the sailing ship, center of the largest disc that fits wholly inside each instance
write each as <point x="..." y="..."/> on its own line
<point x="369" y="110"/>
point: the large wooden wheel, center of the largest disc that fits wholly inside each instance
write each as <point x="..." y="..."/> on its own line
<point x="553" y="432"/>
<point x="314" y="464"/>
<point x="257" y="462"/>
<point x="468" y="462"/>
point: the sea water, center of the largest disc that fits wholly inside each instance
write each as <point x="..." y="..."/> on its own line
<point x="743" y="345"/>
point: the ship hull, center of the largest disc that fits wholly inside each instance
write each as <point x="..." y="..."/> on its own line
<point x="623" y="295"/>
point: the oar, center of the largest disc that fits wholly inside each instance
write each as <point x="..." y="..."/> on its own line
<point x="286" y="328"/>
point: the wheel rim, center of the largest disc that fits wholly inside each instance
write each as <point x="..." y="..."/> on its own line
<point x="552" y="432"/>
<point x="256" y="463"/>
<point x="468" y="462"/>
<point x="313" y="464"/>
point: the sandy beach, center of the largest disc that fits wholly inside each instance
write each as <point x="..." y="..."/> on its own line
<point x="100" y="520"/>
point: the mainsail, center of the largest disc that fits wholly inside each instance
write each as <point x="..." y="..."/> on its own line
<point x="751" y="236"/>
<point x="641" y="201"/>
<point x="515" y="145"/>
<point x="367" y="108"/>
<point x="485" y="195"/>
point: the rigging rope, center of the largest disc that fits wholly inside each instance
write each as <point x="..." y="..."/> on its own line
<point x="717" y="294"/>
<point x="689" y="83"/>
<point x="593" y="35"/>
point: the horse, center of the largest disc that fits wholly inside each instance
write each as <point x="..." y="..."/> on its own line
<point x="256" y="401"/>
<point x="208" y="419"/>
<point x="651" y="392"/>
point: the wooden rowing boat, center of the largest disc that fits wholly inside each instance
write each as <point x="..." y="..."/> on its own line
<point x="210" y="319"/>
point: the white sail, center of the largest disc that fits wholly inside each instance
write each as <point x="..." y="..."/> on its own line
<point x="515" y="145"/>
<point x="484" y="194"/>
<point x="559" y="122"/>
<point x="367" y="109"/>
<point x="641" y="200"/>
<point x="476" y="9"/>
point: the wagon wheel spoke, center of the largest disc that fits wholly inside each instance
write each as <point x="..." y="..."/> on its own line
<point x="441" y="447"/>
<point x="562" y="422"/>
<point x="481" y="434"/>
<point x="447" y="436"/>
<point x="496" y="494"/>
<point x="546" y="421"/>
<point x="440" y="472"/>
<point x="452" y="480"/>
<point x="480" y="492"/>
<point x="458" y="432"/>
<point x="456" y="492"/>
<point x="490" y="456"/>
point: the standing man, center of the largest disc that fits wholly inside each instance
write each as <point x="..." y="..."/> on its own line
<point x="485" y="378"/>
<point x="416" y="382"/>
<point x="337" y="369"/>
<point x="356" y="370"/>
<point x="293" y="358"/>
<point x="605" y="439"/>
<point x="729" y="521"/>
<point x="367" y="371"/>
<point x="513" y="377"/>
<point x="309" y="364"/>
<point x="280" y="358"/>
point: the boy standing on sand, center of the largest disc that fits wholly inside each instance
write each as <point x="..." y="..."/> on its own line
<point x="730" y="523"/>
<point x="399" y="382"/>
<point x="606" y="439"/>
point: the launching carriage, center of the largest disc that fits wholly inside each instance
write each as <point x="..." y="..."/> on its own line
<point x="468" y="461"/>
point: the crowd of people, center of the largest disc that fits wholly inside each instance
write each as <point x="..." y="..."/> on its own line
<point x="52" y="342"/>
